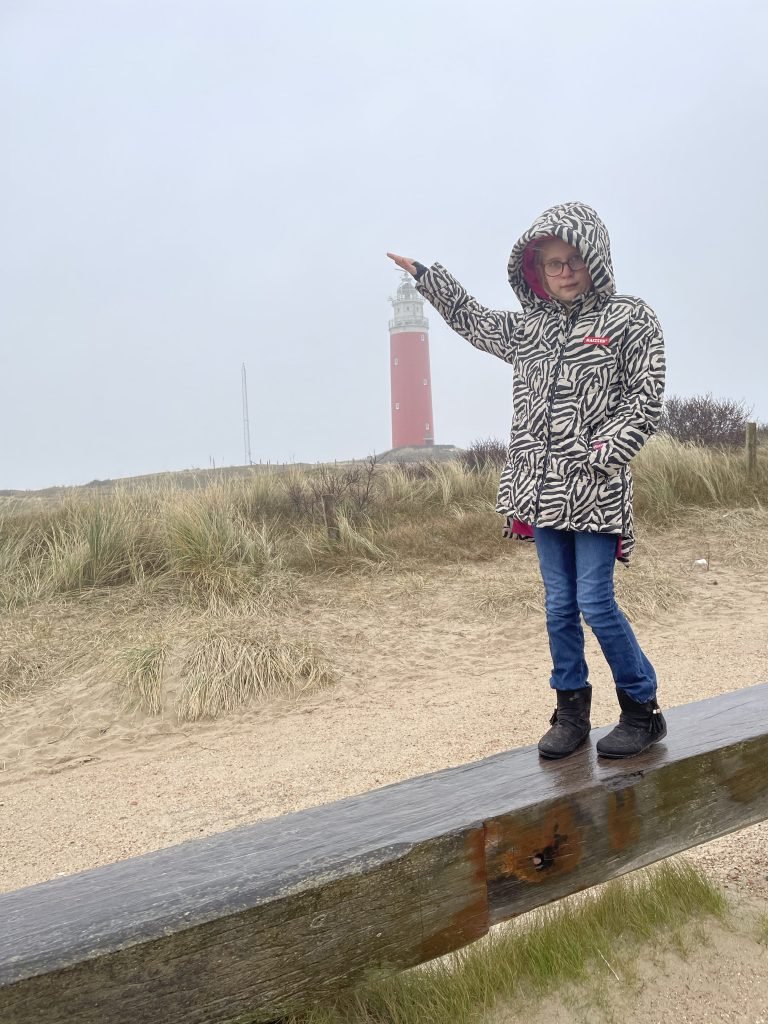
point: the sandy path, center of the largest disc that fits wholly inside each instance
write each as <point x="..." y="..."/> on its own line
<point x="432" y="674"/>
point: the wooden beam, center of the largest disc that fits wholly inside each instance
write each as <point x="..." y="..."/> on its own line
<point x="266" y="919"/>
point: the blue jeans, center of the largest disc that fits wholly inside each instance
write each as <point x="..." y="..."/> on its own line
<point x="577" y="569"/>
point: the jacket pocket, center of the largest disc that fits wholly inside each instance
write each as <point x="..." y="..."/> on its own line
<point x="519" y="481"/>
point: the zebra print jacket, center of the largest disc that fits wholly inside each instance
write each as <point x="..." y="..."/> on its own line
<point x="588" y="386"/>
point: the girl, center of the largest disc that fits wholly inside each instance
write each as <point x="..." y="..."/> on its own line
<point x="589" y="383"/>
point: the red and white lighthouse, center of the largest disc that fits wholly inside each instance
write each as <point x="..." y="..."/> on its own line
<point x="412" y="425"/>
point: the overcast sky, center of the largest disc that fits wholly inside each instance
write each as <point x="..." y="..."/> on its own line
<point x="188" y="185"/>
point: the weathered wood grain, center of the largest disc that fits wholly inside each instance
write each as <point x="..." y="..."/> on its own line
<point x="262" y="920"/>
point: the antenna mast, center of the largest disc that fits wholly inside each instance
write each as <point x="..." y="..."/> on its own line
<point x="246" y="423"/>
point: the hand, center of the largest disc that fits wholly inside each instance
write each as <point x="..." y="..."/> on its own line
<point x="404" y="263"/>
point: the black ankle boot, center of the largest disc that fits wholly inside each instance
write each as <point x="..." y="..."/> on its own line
<point x="640" y="725"/>
<point x="570" y="723"/>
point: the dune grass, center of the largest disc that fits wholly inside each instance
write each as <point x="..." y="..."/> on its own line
<point x="213" y="556"/>
<point x="246" y="539"/>
<point x="143" y="676"/>
<point x="671" y="477"/>
<point x="227" y="669"/>
<point x="34" y="646"/>
<point x="216" y="665"/>
<point x="227" y="547"/>
<point x="197" y="547"/>
<point x="590" y="934"/>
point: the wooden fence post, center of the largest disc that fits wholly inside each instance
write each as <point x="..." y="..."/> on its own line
<point x="751" y="451"/>
<point x="331" y="519"/>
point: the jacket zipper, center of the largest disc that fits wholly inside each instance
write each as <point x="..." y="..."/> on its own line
<point x="550" y="404"/>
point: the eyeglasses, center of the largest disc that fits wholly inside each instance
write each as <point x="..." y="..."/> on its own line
<point x="554" y="268"/>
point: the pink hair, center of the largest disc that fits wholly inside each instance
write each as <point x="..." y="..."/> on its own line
<point x="530" y="273"/>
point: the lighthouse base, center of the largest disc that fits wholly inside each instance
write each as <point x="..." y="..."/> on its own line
<point x="418" y="453"/>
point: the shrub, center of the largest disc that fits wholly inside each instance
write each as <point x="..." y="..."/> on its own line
<point x="353" y="486"/>
<point x="705" y="420"/>
<point x="484" y="454"/>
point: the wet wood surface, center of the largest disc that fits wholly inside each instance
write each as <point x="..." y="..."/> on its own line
<point x="265" y="919"/>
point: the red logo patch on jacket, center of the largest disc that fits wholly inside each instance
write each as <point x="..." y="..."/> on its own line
<point x="593" y="339"/>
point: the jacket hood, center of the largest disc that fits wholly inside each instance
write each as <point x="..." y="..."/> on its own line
<point x="578" y="225"/>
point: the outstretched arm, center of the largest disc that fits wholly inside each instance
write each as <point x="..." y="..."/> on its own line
<point x="490" y="330"/>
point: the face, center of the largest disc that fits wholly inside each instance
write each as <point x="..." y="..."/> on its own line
<point x="570" y="283"/>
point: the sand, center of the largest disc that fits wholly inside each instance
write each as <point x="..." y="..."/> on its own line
<point x="435" y="668"/>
